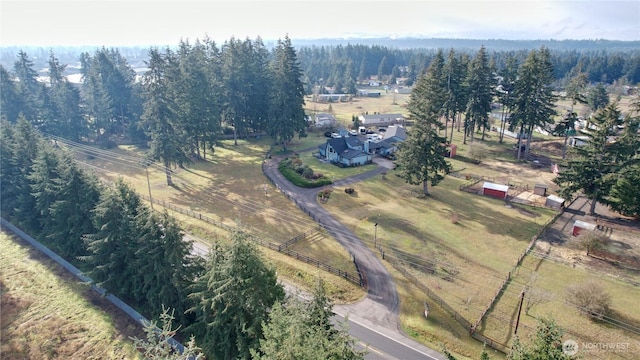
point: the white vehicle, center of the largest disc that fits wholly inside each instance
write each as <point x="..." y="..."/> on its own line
<point x="335" y="135"/>
<point x="353" y="133"/>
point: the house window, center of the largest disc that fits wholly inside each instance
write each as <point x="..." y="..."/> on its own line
<point x="330" y="149"/>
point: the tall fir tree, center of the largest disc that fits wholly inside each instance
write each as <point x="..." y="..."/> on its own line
<point x="168" y="138"/>
<point x="232" y="299"/>
<point x="421" y="157"/>
<point x="589" y="167"/>
<point x="165" y="269"/>
<point x="533" y="98"/>
<point x="112" y="249"/>
<point x="78" y="193"/>
<point x="9" y="97"/>
<point x="287" y="95"/>
<point x="479" y="86"/>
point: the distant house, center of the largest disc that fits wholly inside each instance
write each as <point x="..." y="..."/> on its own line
<point x="324" y="98"/>
<point x="395" y="131"/>
<point x="389" y="144"/>
<point x="381" y="119"/>
<point x="345" y="151"/>
<point x="323" y="120"/>
<point x="367" y="93"/>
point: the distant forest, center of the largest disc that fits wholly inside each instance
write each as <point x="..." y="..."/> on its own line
<point x="342" y="63"/>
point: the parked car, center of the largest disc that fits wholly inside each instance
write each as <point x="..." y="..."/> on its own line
<point x="335" y="135"/>
<point x="353" y="133"/>
<point x="327" y="134"/>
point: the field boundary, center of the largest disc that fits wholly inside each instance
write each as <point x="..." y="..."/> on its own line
<point x="353" y="278"/>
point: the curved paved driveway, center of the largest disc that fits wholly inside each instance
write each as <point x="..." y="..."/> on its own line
<point x="380" y="307"/>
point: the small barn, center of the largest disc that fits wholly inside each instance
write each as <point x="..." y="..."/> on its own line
<point x="579" y="226"/>
<point x="554" y="202"/>
<point x="540" y="189"/>
<point x="495" y="190"/>
<point x="451" y="150"/>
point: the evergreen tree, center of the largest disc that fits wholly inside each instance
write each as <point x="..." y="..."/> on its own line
<point x="624" y="196"/>
<point x="533" y="101"/>
<point x="9" y="97"/>
<point x="112" y="249"/>
<point x="299" y="330"/>
<point x="546" y="344"/>
<point x="43" y="178"/>
<point x="287" y="95"/>
<point x="597" y="97"/>
<point x="78" y="193"/>
<point x="455" y="89"/>
<point x="28" y="88"/>
<point x="158" y="344"/>
<point x="509" y="75"/>
<point x="232" y="299"/>
<point x="421" y="157"/>
<point x="65" y="116"/>
<point x="25" y="145"/>
<point x="590" y="166"/>
<point x="168" y="139"/>
<point x="382" y="68"/>
<point x="479" y="86"/>
<point x="165" y="268"/>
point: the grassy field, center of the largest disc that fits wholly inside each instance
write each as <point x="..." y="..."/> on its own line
<point x="229" y="187"/>
<point x="467" y="242"/>
<point x="500" y="322"/>
<point x="48" y="314"/>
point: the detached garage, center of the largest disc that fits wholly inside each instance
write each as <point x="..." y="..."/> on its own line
<point x="495" y="190"/>
<point x="579" y="225"/>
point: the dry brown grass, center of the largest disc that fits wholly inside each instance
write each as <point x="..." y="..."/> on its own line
<point x="48" y="314"/>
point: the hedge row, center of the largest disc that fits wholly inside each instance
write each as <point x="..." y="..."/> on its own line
<point x="299" y="180"/>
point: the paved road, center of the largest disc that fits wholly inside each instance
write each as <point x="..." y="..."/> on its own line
<point x="378" y="312"/>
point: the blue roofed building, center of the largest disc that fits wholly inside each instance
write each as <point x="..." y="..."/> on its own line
<point x="345" y="151"/>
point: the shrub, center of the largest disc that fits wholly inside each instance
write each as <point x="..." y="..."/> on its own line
<point x="307" y="173"/>
<point x="288" y="169"/>
<point x="589" y="298"/>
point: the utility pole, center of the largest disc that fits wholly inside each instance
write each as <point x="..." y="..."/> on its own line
<point x="515" y="331"/>
<point x="146" y="168"/>
<point x="375" y="235"/>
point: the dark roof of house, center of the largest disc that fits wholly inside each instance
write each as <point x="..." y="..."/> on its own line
<point x="352" y="153"/>
<point x="384" y="144"/>
<point x="396" y="131"/>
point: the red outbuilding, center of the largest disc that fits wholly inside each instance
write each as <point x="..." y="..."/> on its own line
<point x="579" y="225"/>
<point x="495" y="190"/>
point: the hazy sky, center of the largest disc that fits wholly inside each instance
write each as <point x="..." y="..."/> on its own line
<point x="148" y="22"/>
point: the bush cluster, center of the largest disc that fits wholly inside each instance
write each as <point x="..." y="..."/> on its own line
<point x="300" y="174"/>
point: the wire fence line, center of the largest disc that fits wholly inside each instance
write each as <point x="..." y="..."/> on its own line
<point x="507" y="279"/>
<point x="131" y="312"/>
<point x="281" y="248"/>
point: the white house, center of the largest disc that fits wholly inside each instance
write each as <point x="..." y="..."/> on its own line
<point x="324" y="120"/>
<point x="381" y="119"/>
